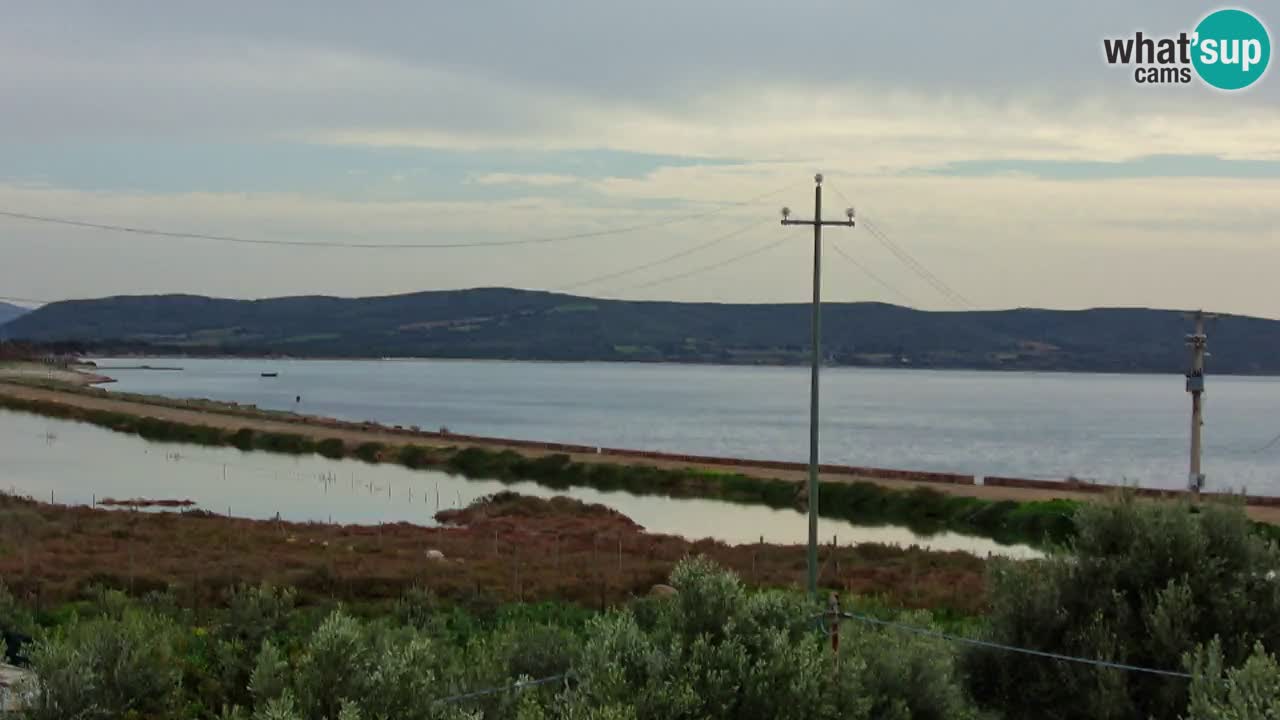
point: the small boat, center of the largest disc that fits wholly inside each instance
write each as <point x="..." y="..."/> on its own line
<point x="270" y="374"/>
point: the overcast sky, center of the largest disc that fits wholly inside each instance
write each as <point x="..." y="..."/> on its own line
<point x="988" y="139"/>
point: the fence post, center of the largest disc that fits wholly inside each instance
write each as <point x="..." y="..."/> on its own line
<point x="835" y="558"/>
<point x="833" y="609"/>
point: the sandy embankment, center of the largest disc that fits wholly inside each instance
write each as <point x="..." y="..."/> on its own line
<point x="80" y="376"/>
<point x="232" y="417"/>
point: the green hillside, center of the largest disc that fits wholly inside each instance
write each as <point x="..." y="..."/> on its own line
<point x="528" y="325"/>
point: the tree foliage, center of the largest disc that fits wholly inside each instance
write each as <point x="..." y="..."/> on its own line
<point x="714" y="650"/>
<point x="1248" y="692"/>
<point x="1143" y="583"/>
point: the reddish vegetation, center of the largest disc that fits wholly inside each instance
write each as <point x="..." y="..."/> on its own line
<point x="506" y="512"/>
<point x="515" y="548"/>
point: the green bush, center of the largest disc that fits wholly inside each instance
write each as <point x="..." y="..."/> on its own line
<point x="1249" y="692"/>
<point x="1142" y="583"/>
<point x="284" y="443"/>
<point x="715" y="651"/>
<point x="369" y="451"/>
<point x="331" y="448"/>
<point x="15" y="621"/>
<point x="908" y="676"/>
<point x="416" y="456"/>
<point x="243" y="439"/>
<point x="106" y="668"/>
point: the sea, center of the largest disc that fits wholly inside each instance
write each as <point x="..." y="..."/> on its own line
<point x="1110" y="428"/>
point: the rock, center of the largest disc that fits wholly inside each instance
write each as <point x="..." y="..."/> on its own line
<point x="662" y="591"/>
<point x="15" y="693"/>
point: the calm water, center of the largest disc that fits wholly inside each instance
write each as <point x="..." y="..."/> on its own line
<point x="1109" y="428"/>
<point x="78" y="463"/>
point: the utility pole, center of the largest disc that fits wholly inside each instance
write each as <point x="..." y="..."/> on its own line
<point x="1195" y="385"/>
<point x="817" y="223"/>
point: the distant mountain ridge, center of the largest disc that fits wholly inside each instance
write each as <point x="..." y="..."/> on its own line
<point x="503" y="323"/>
<point x="10" y="312"/>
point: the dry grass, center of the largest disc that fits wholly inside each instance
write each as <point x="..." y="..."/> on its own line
<point x="524" y="549"/>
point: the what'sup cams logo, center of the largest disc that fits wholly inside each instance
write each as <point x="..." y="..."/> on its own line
<point x="1228" y="50"/>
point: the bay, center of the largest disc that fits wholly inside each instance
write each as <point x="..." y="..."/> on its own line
<point x="1130" y="429"/>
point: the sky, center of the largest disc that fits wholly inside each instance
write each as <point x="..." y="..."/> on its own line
<point x="988" y="140"/>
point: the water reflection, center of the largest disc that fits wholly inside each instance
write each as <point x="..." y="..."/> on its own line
<point x="77" y="463"/>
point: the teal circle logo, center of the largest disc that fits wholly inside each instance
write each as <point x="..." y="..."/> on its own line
<point x="1232" y="49"/>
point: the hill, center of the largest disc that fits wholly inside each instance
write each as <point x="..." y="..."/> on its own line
<point x="9" y="312"/>
<point x="528" y="325"/>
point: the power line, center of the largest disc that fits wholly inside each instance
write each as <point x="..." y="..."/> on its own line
<point x="867" y="271"/>
<point x="1013" y="648"/>
<point x="599" y="278"/>
<point x="1269" y="445"/>
<point x="654" y="263"/>
<point x="383" y="246"/>
<point x="706" y="268"/>
<point x="907" y="259"/>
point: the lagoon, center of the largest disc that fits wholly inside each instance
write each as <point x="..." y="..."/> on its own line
<point x="1106" y="428"/>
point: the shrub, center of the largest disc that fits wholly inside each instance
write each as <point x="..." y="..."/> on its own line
<point x="243" y="439"/>
<point x="106" y="668"/>
<point x="369" y="451"/>
<point x="1142" y="583"/>
<point x="16" y="622"/>
<point x="909" y="676"/>
<point x="416" y="456"/>
<point x="715" y="651"/>
<point x="1249" y="692"/>
<point x="331" y="448"/>
<point x="540" y="651"/>
<point x="284" y="442"/>
<point x="333" y="667"/>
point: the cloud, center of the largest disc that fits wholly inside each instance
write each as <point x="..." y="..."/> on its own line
<point x="1000" y="241"/>
<point x="535" y="180"/>
<point x="958" y="128"/>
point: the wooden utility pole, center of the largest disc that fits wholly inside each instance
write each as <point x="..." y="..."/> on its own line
<point x="1195" y="385"/>
<point x="817" y="223"/>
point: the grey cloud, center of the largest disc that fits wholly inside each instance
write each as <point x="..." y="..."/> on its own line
<point x="507" y="65"/>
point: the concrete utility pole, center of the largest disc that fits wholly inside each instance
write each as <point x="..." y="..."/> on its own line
<point x="817" y="223"/>
<point x="1195" y="385"/>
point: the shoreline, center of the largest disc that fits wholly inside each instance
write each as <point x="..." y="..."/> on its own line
<point x="229" y="417"/>
<point x="681" y="363"/>
<point x="75" y="374"/>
